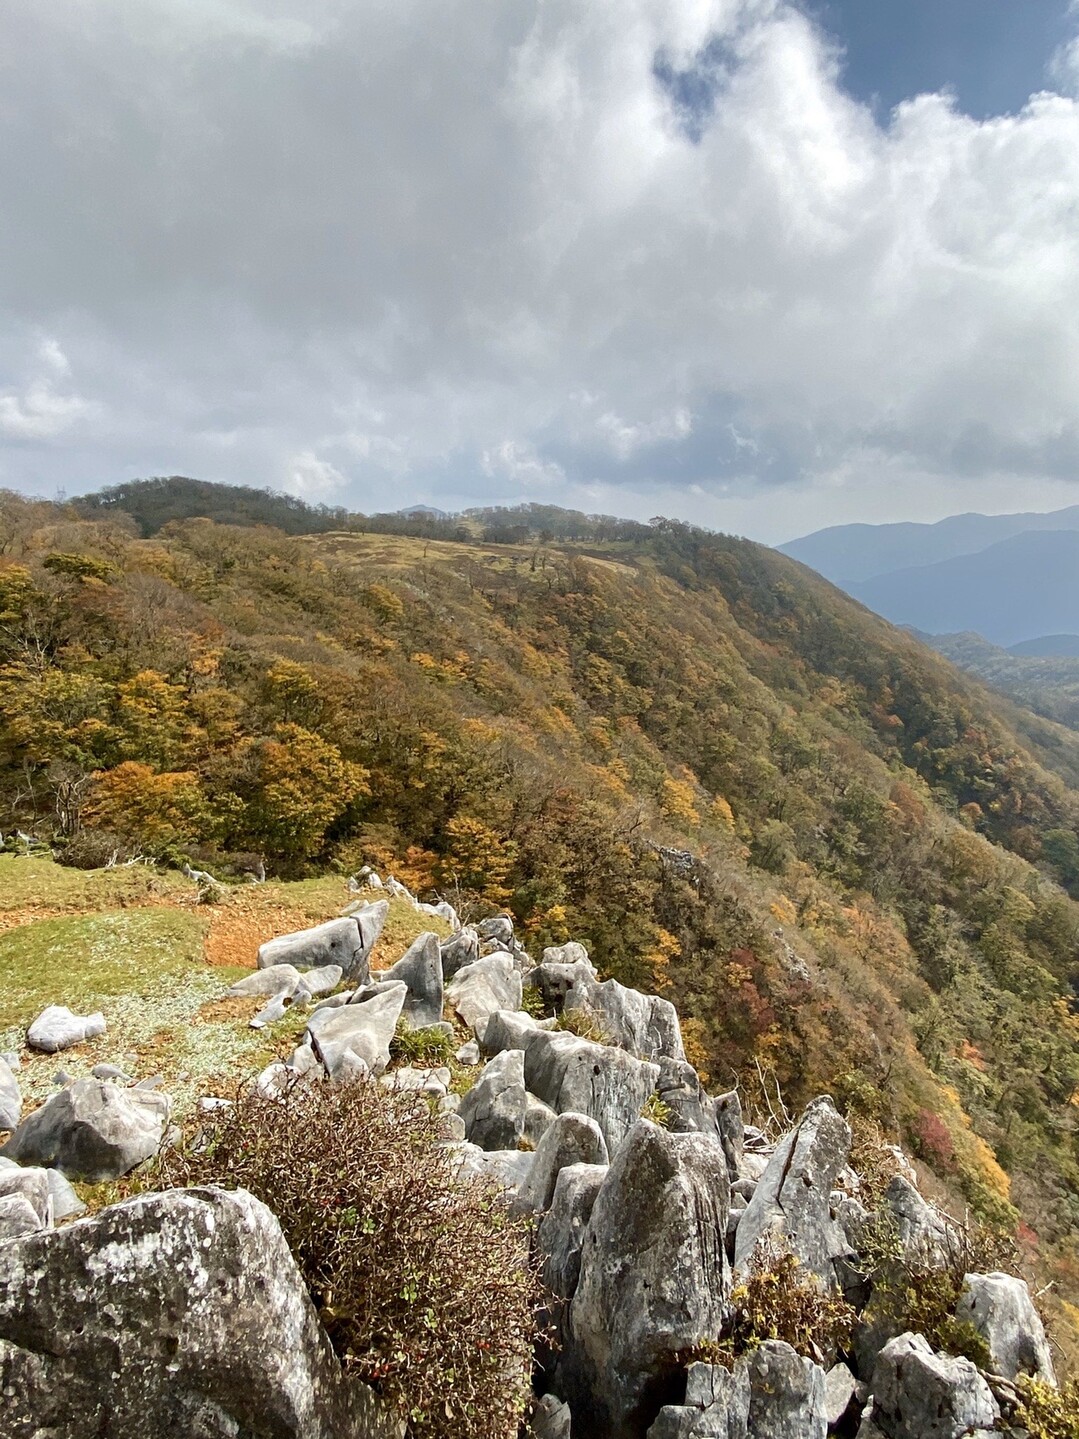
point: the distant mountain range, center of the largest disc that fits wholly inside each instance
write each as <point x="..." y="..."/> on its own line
<point x="1013" y="579"/>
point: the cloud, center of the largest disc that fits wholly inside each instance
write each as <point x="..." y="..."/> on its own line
<point x="648" y="255"/>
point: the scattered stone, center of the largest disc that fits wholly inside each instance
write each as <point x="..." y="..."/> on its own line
<point x="273" y="1010"/>
<point x="112" y="1072"/>
<point x="92" y="1131"/>
<point x="10" y="1098"/>
<point x="61" y="1078"/>
<point x="153" y="1081"/>
<point x="33" y="1185"/>
<point x="420" y="968"/>
<point x="1001" y="1309"/>
<point x="654" y="1274"/>
<point x="921" y="1395"/>
<point x="179" y="1314"/>
<point x="508" y="1168"/>
<point x="479" y="989"/>
<point x="17" y="1217"/>
<point x="786" y="1394"/>
<point x="469" y="1053"/>
<point x="65" y="1202"/>
<point x="274" y="979"/>
<point x="792" y="1201"/>
<point x="572" y="1139"/>
<point x="12" y="1059"/>
<point x="57" y="1028"/>
<point x="358" y="1032"/>
<point x="211" y="1104"/>
<point x="493" y="1110"/>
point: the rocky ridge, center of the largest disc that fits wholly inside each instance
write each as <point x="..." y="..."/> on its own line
<point x="187" y="1305"/>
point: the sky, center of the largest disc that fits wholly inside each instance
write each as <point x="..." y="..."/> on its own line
<point x="761" y="265"/>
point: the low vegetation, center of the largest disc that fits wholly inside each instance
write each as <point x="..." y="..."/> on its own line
<point x="424" y="1285"/>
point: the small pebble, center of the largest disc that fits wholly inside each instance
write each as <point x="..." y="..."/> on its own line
<point x="110" y="1071"/>
<point x="61" y="1077"/>
<point x="154" y="1082"/>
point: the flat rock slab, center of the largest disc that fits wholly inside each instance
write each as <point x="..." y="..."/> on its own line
<point x="10" y="1098"/>
<point x="92" y="1130"/>
<point x="174" y="1315"/>
<point x="56" y="1028"/>
<point x="346" y="943"/>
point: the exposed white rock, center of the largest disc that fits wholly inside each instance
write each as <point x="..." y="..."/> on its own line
<point x="92" y="1130"/>
<point x="56" y="1028"/>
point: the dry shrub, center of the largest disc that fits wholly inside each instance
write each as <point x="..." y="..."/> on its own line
<point x="1048" y="1413"/>
<point x="423" y="1283"/>
<point x="780" y="1300"/>
<point x="583" y="1023"/>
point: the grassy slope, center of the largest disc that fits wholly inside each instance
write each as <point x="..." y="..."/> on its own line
<point x="134" y="944"/>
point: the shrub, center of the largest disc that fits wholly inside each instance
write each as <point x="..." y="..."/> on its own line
<point x="1048" y="1413"/>
<point x="584" y="1024"/>
<point x="532" y="1001"/>
<point x="779" y="1300"/>
<point x="932" y="1140"/>
<point x="654" y="1109"/>
<point x="423" y="1283"/>
<point x="427" y="1046"/>
<point x="94" y="849"/>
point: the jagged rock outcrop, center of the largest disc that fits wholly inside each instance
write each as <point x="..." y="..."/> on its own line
<point x="56" y="1028"/>
<point x="572" y="1139"/>
<point x="353" y="1040"/>
<point x="1001" y="1309"/>
<point x="643" y="1024"/>
<point x="654" y="1277"/>
<point x="463" y="948"/>
<point x="92" y="1130"/>
<point x="792" y="1200"/>
<point x="921" y="1395"/>
<point x="420" y="968"/>
<point x="345" y="942"/>
<point x="494" y="1109"/>
<point x="922" y="1231"/>
<point x="478" y="989"/>
<point x="10" y="1097"/>
<point x="178" y="1315"/>
<point x="573" y="1074"/>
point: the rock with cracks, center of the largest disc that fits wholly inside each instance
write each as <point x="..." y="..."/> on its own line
<point x="420" y="967"/>
<point x="787" y="1394"/>
<point x="178" y="1315"/>
<point x="345" y="942"/>
<point x="921" y="1395"/>
<point x="571" y="1139"/>
<point x="792" y="1202"/>
<point x="572" y="1074"/>
<point x="92" y="1130"/>
<point x="10" y="1098"/>
<point x="481" y="988"/>
<point x="354" y="1039"/>
<point x="642" y="1024"/>
<point x="716" y="1407"/>
<point x="494" y="1109"/>
<point x="654" y="1277"/>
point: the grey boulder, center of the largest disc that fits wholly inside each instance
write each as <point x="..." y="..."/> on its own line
<point x="482" y="987"/>
<point x="57" y="1028"/>
<point x="792" y="1202"/>
<point x="493" y="1110"/>
<point x="355" y="1038"/>
<point x="572" y="1074"/>
<point x="1001" y="1309"/>
<point x="462" y="949"/>
<point x="551" y="1419"/>
<point x="643" y="1024"/>
<point x="786" y="1394"/>
<point x="716" y="1406"/>
<point x="176" y="1314"/>
<point x="921" y="1395"/>
<point x="10" y="1098"/>
<point x="654" y="1277"/>
<point x="420" y="968"/>
<point x="571" y="1139"/>
<point x="345" y="942"/>
<point x="287" y="979"/>
<point x="92" y="1130"/>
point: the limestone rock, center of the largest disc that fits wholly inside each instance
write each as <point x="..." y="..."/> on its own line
<point x="508" y="1168"/>
<point x="462" y="949"/>
<point x="17" y="1217"/>
<point x="643" y="1024"/>
<point x="32" y="1185"/>
<point x="921" y="1395"/>
<point x="420" y="967"/>
<point x="1001" y="1309"/>
<point x="180" y="1314"/>
<point x="57" y="1028"/>
<point x="344" y="942"/>
<point x="556" y="980"/>
<point x="922" y="1230"/>
<point x="786" y="1394"/>
<point x="482" y="987"/>
<point x="10" y="1098"/>
<point x="358" y="1034"/>
<point x="493" y="1110"/>
<point x="274" y="979"/>
<point x="538" y="1119"/>
<point x="840" y="1387"/>
<point x="716" y="1407"/>
<point x="792" y="1201"/>
<point x="550" y="1419"/>
<point x="561" y="1230"/>
<point x="573" y="1074"/>
<point x="92" y="1130"/>
<point x="499" y="928"/>
<point x="508" y="1029"/>
<point x="572" y="1139"/>
<point x="654" y="1276"/>
<point x="569" y="953"/>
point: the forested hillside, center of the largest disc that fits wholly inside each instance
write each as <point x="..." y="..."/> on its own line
<point x="836" y="854"/>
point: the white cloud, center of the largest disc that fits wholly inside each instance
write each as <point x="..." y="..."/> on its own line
<point x="470" y="246"/>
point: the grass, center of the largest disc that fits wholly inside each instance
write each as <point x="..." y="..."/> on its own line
<point x="134" y="944"/>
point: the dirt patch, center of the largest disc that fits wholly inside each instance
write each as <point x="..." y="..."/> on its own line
<point x="235" y="1006"/>
<point x="238" y="927"/>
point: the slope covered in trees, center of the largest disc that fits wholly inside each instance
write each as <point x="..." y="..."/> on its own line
<point x="836" y="854"/>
